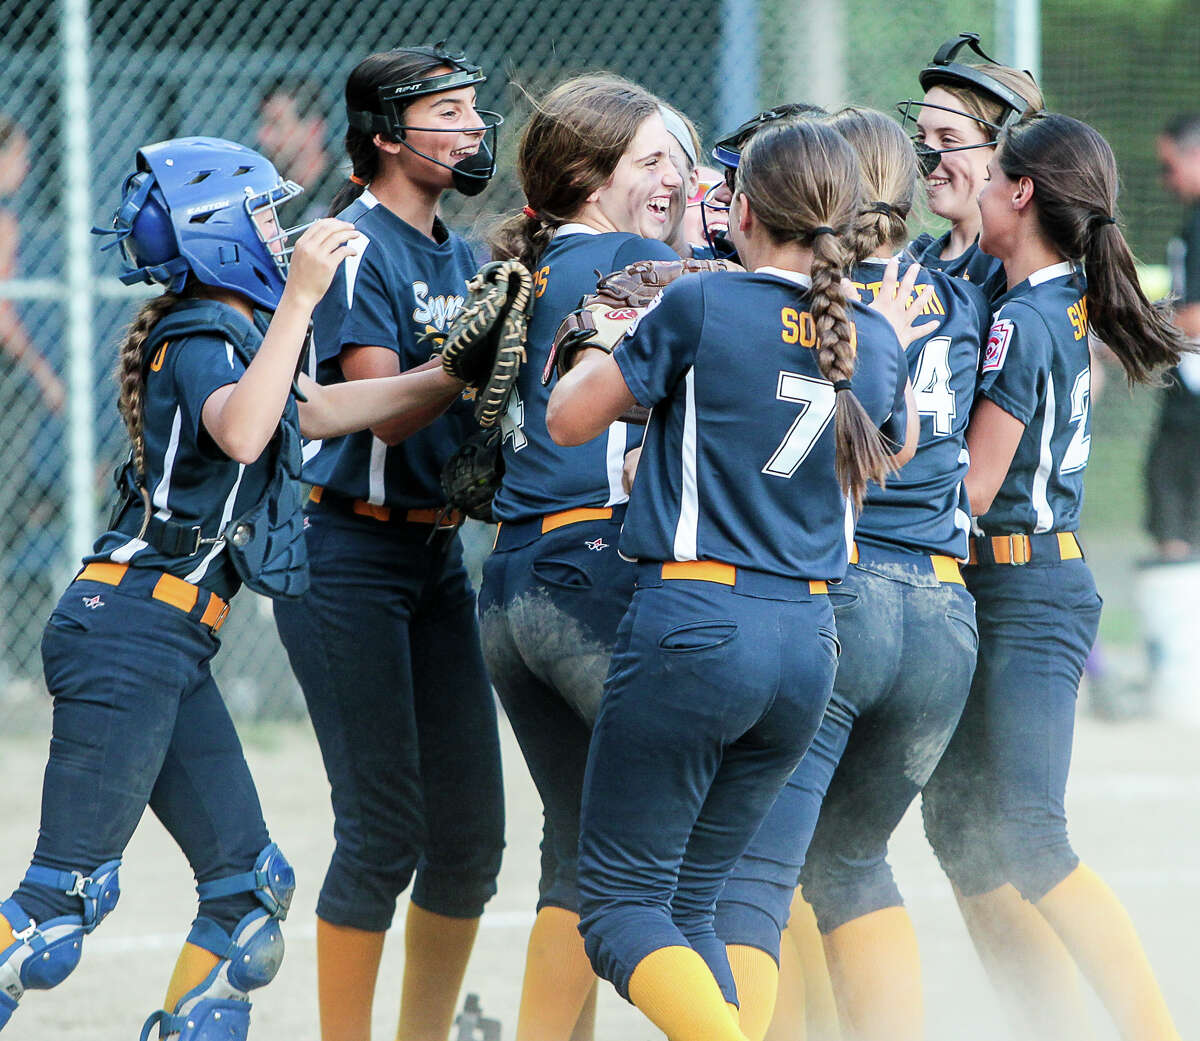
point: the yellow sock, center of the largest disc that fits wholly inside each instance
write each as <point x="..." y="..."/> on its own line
<point x="876" y="971"/>
<point x="558" y="979"/>
<point x="347" y="967"/>
<point x="191" y="967"/>
<point x="585" y="1025"/>
<point x="805" y="1007"/>
<point x="675" y="989"/>
<point x="436" y="949"/>
<point x="7" y="936"/>
<point x="757" y="979"/>
<point x="1028" y="965"/>
<point x="788" y="1021"/>
<point x="1096" y="929"/>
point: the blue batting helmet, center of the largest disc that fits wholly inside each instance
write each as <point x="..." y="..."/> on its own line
<point x="193" y="207"/>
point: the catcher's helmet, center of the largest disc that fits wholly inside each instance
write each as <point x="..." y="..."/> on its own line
<point x="471" y="175"/>
<point x="190" y="208"/>
<point x="944" y="71"/>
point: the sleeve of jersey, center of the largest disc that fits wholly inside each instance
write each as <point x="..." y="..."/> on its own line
<point x="642" y="249"/>
<point x="201" y="365"/>
<point x="661" y="344"/>
<point x="370" y="308"/>
<point x="1016" y="361"/>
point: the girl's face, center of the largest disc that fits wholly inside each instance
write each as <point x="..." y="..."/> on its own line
<point x="637" y="197"/>
<point x="999" y="235"/>
<point x="953" y="187"/>
<point x="455" y="132"/>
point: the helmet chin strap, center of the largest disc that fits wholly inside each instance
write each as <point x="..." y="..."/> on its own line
<point x="472" y="174"/>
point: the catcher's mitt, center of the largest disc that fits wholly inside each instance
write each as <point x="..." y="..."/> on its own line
<point x="485" y="344"/>
<point x="603" y="317"/>
<point x="471" y="476"/>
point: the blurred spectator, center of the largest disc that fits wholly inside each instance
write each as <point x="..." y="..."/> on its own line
<point x="293" y="132"/>
<point x="1173" y="465"/>
<point x="32" y="397"/>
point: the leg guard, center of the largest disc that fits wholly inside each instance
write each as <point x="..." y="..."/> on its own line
<point x="44" y="955"/>
<point x="218" y="1009"/>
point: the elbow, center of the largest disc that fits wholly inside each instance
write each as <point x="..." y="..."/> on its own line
<point x="564" y="429"/>
<point x="904" y="455"/>
<point x="244" y="450"/>
<point x="980" y="499"/>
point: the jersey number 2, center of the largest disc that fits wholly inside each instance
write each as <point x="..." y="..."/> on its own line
<point x="1080" y="445"/>
<point x="817" y="398"/>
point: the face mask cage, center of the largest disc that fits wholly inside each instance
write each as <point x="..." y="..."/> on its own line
<point x="281" y="244"/>
<point x="928" y="159"/>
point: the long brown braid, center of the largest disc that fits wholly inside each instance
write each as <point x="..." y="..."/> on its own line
<point x="801" y="180"/>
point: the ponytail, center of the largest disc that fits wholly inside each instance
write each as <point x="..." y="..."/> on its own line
<point x="521" y="237"/>
<point x="860" y="453"/>
<point x="801" y="180"/>
<point x="131" y="376"/>
<point x="1074" y="176"/>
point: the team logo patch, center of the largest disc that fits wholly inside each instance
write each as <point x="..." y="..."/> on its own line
<point x="596" y="544"/>
<point x="997" y="345"/>
<point x="92" y="602"/>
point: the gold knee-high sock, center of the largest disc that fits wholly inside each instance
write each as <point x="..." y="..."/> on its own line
<point x="436" y="949"/>
<point x="192" y="966"/>
<point x="788" y="1023"/>
<point x="675" y="989"/>
<point x="876" y="972"/>
<point x="585" y="1025"/>
<point x="1096" y="929"/>
<point x="347" y="967"/>
<point x="757" y="979"/>
<point x="558" y="978"/>
<point x="1028" y="965"/>
<point x="7" y="936"/>
<point x="804" y="1007"/>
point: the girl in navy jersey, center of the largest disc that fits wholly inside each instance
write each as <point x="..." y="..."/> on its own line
<point x="907" y="628"/>
<point x="964" y="108"/>
<point x="595" y="165"/>
<point x="208" y="501"/>
<point x="994" y="807"/>
<point x="768" y="391"/>
<point x="385" y="644"/>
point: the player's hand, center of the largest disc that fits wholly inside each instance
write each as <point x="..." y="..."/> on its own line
<point x="900" y="305"/>
<point x="317" y="254"/>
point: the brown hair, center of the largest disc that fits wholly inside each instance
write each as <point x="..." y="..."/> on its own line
<point x="1075" y="179"/>
<point x="570" y="147"/>
<point x="801" y="179"/>
<point x="978" y="103"/>
<point x="131" y="375"/>
<point x="888" y="167"/>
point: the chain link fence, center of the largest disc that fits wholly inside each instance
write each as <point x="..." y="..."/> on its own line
<point x="83" y="85"/>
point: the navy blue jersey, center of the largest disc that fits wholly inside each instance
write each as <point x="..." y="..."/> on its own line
<point x="738" y="459"/>
<point x="541" y="477"/>
<point x="924" y="507"/>
<point x="972" y="265"/>
<point x="1036" y="367"/>
<point x="190" y="480"/>
<point x="400" y="286"/>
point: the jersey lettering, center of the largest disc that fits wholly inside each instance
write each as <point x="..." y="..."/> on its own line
<point x="436" y="310"/>
<point x="798" y="327"/>
<point x="156" y="363"/>
<point x="541" y="278"/>
<point x="1080" y="445"/>
<point x="1077" y="312"/>
<point x="931" y="385"/>
<point x="512" y="421"/>
<point x="817" y="398"/>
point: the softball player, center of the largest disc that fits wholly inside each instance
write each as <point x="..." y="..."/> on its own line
<point x="208" y="500"/>
<point x="385" y="644"/>
<point x="964" y="108"/>
<point x="725" y="658"/>
<point x="994" y="807"/>
<point x="595" y="165"/>
<point x="907" y="628"/>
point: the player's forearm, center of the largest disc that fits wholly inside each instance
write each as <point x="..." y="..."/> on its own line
<point x="400" y="404"/>
<point x="586" y="400"/>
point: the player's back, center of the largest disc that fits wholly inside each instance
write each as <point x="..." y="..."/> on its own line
<point x="738" y="463"/>
<point x="541" y="477"/>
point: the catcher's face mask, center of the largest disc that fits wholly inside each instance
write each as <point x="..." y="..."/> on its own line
<point x="944" y="71"/>
<point x="472" y="173"/>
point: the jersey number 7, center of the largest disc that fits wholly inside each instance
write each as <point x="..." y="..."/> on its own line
<point x="817" y="398"/>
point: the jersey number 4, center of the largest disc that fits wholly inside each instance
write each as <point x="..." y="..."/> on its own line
<point x="931" y="385"/>
<point x="817" y="399"/>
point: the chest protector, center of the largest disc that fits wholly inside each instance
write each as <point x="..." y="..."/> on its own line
<point x="266" y="542"/>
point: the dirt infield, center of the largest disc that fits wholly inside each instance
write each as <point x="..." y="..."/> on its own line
<point x="1134" y="804"/>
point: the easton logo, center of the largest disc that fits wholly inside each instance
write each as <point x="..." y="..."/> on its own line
<point x="622" y="314"/>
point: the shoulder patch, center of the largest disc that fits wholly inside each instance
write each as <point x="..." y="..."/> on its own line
<point x="996" y="348"/>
